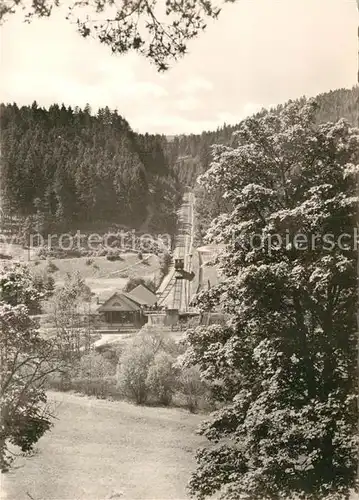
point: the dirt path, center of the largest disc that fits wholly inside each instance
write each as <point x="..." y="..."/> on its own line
<point x="102" y="450"/>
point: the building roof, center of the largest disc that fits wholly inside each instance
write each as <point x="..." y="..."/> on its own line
<point x="122" y="301"/>
<point x="143" y="295"/>
<point x="119" y="302"/>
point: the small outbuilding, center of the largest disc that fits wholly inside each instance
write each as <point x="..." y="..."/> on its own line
<point x="127" y="309"/>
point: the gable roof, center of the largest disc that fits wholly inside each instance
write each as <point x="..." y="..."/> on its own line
<point x="143" y="295"/>
<point x="119" y="302"/>
<point x="107" y="294"/>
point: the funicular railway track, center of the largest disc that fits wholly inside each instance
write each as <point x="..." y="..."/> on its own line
<point x="175" y="291"/>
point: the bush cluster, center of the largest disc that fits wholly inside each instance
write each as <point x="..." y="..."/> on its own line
<point x="5" y="256"/>
<point x="144" y="371"/>
<point x="93" y="375"/>
<point x="101" y="388"/>
<point x="51" y="267"/>
<point x="114" y="255"/>
<point x="148" y="371"/>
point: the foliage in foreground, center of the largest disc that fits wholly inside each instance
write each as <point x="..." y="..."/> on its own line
<point x="158" y="32"/>
<point x="161" y="377"/>
<point x="26" y="360"/>
<point x="70" y="310"/>
<point x="283" y="369"/>
<point x="92" y="374"/>
<point x="18" y="286"/>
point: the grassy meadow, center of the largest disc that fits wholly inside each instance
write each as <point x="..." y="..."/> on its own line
<point x="99" y="273"/>
<point x="102" y="449"/>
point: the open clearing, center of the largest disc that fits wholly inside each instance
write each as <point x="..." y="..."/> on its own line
<point x="100" y="274"/>
<point x="101" y="449"/>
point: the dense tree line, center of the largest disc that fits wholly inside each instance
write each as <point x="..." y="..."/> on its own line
<point x="194" y="152"/>
<point x="73" y="169"/>
<point x="191" y="154"/>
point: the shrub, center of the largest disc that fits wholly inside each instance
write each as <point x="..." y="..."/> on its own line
<point x="161" y="378"/>
<point x="101" y="388"/>
<point x="51" y="267"/>
<point x="133" y="368"/>
<point x="113" y="256"/>
<point x="93" y="375"/>
<point x="45" y="283"/>
<point x="192" y="387"/>
<point x="165" y="263"/>
<point x="94" y="365"/>
<point x="58" y="382"/>
<point x="193" y="322"/>
<point x="74" y="253"/>
<point x="5" y="256"/>
<point x="146" y="367"/>
<point x="60" y="253"/>
<point x="111" y="353"/>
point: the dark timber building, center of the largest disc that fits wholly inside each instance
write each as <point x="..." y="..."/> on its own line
<point x="127" y="309"/>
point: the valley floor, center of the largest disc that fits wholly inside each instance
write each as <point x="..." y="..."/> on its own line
<point x="101" y="449"/>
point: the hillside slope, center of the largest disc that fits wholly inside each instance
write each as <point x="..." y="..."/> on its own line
<point x="333" y="105"/>
<point x="67" y="168"/>
<point x="103" y="449"/>
<point x="191" y="154"/>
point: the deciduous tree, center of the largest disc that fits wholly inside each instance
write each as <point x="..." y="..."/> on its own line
<point x="25" y="361"/>
<point x="70" y="314"/>
<point x="283" y="370"/>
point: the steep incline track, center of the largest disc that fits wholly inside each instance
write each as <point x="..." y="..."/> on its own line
<point x="175" y="293"/>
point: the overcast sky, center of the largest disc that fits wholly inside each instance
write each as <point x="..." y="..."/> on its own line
<point x="259" y="53"/>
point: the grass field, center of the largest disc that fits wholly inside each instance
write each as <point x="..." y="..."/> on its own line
<point x="102" y="275"/>
<point x="99" y="266"/>
<point x="100" y="450"/>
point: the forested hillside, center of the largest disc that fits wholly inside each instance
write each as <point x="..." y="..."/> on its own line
<point x="191" y="154"/>
<point x="194" y="151"/>
<point x="72" y="169"/>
